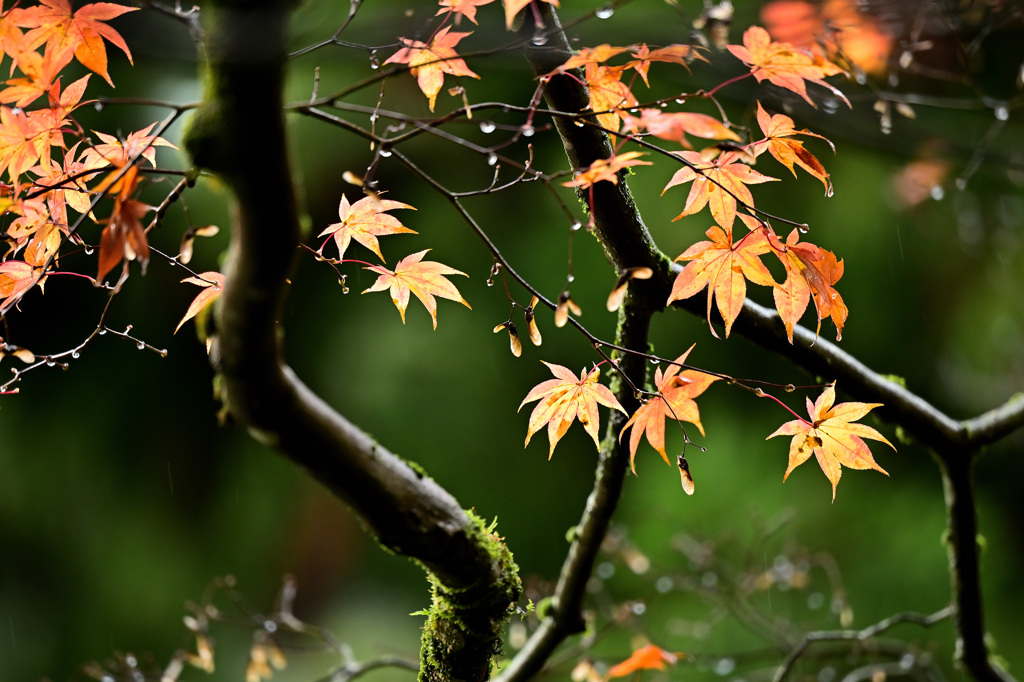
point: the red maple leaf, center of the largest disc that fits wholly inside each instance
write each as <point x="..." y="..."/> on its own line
<point x="429" y="63"/>
<point x="70" y="34"/>
<point x="832" y="437"/>
<point x="426" y="279"/>
<point x="811" y="273"/>
<point x="123" y="237"/>
<point x="16" y="278"/>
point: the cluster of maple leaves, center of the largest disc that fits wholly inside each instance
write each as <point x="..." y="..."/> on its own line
<point x="52" y="167"/>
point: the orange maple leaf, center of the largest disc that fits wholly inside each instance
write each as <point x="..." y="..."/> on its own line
<point x="70" y="34"/>
<point x="676" y="391"/>
<point x="566" y="398"/>
<point x="811" y="272"/>
<point x="677" y="54"/>
<point x="674" y="126"/>
<point x="16" y="278"/>
<point x="648" y="657"/>
<point x="608" y="94"/>
<point x="723" y="267"/>
<point x="832" y="437"/>
<point x="429" y="63"/>
<point x="364" y="221"/>
<point x="784" y="64"/>
<point x="719" y="185"/>
<point x="421" y="277"/>
<point x="461" y="8"/>
<point x="514" y="7"/>
<point x="588" y="55"/>
<point x="212" y="283"/>
<point x="606" y="169"/>
<point x="778" y="131"/>
<point x="123" y="237"/>
<point x="25" y="140"/>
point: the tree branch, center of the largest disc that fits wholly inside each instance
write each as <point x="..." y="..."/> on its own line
<point x="474" y="581"/>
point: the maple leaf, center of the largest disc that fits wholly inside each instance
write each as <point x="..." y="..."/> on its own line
<point x="719" y="185"/>
<point x="606" y="169"/>
<point x="514" y="7"/>
<point x="70" y="34"/>
<point x="723" y="267"/>
<point x="677" y="54"/>
<point x="673" y="125"/>
<point x="461" y="8"/>
<point x="811" y="272"/>
<point x="832" y="437"/>
<point x="364" y="221"/>
<point x="566" y="398"/>
<point x="16" y="277"/>
<point x="648" y="657"/>
<point x="123" y="237"/>
<point x="676" y="391"/>
<point x="608" y="94"/>
<point x="213" y="283"/>
<point x="429" y="63"/>
<point x="39" y="77"/>
<point x="25" y="140"/>
<point x="784" y="64"/>
<point x="778" y="131"/>
<point x="588" y="55"/>
<point x="421" y="277"/>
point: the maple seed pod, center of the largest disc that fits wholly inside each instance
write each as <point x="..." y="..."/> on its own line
<point x="619" y="290"/>
<point x="565" y="306"/>
<point x="531" y="323"/>
<point x="684" y="474"/>
<point x="514" y="343"/>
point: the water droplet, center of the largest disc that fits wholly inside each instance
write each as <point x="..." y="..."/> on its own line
<point x="539" y="38"/>
<point x="725" y="666"/>
<point x="163" y="352"/>
<point x="88" y="250"/>
<point x="829" y="192"/>
<point x="663" y="105"/>
<point x="961" y="184"/>
<point x="102" y="332"/>
<point x="575" y="226"/>
<point x="270" y="626"/>
<point x="654" y="361"/>
<point x="385" y="152"/>
<point x="131" y="661"/>
<point x="570" y="278"/>
<point x="344" y="290"/>
<point x="578" y="124"/>
<point x="605" y="12"/>
<point x="127" y="329"/>
<point x="98" y="106"/>
<point x="490" y="282"/>
<point x="487" y="126"/>
<point x="937" y="192"/>
<point x="74" y="354"/>
<point x="830" y="106"/>
<point x="528" y="131"/>
<point x="50" y="363"/>
<point x="374" y="61"/>
<point x="140" y="345"/>
<point x="803" y="229"/>
<point x="680" y="100"/>
<point x="492" y="159"/>
<point x="1002" y="112"/>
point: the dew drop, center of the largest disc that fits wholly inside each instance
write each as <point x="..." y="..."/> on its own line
<point x="578" y="124"/>
<point x="102" y="332"/>
<point x="830" y="106"/>
<point x="487" y="126"/>
<point x="75" y="354"/>
<point x="653" y="361"/>
<point x="374" y="61"/>
<point x="725" y="666"/>
<point x="570" y="278"/>
<point x="492" y="159"/>
<point x="937" y="192"/>
<point x="344" y="290"/>
<point x="172" y="262"/>
<point x="663" y="105"/>
<point x="803" y="229"/>
<point x="490" y="282"/>
<point x="163" y="353"/>
<point x="88" y="250"/>
<point x="575" y="226"/>
<point x="605" y="12"/>
<point x="680" y="100"/>
<point x="961" y="184"/>
<point x="50" y="363"/>
<point x="140" y="345"/>
<point x="539" y="39"/>
<point x="98" y="106"/>
<point x="528" y="131"/>
<point x="1002" y="112"/>
<point x="829" y="192"/>
<point x="385" y="152"/>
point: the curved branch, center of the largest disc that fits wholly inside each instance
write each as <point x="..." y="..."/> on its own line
<point x="474" y="580"/>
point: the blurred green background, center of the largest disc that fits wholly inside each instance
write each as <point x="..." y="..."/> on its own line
<point x="121" y="498"/>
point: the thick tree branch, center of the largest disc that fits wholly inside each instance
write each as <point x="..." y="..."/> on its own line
<point x="239" y="134"/>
